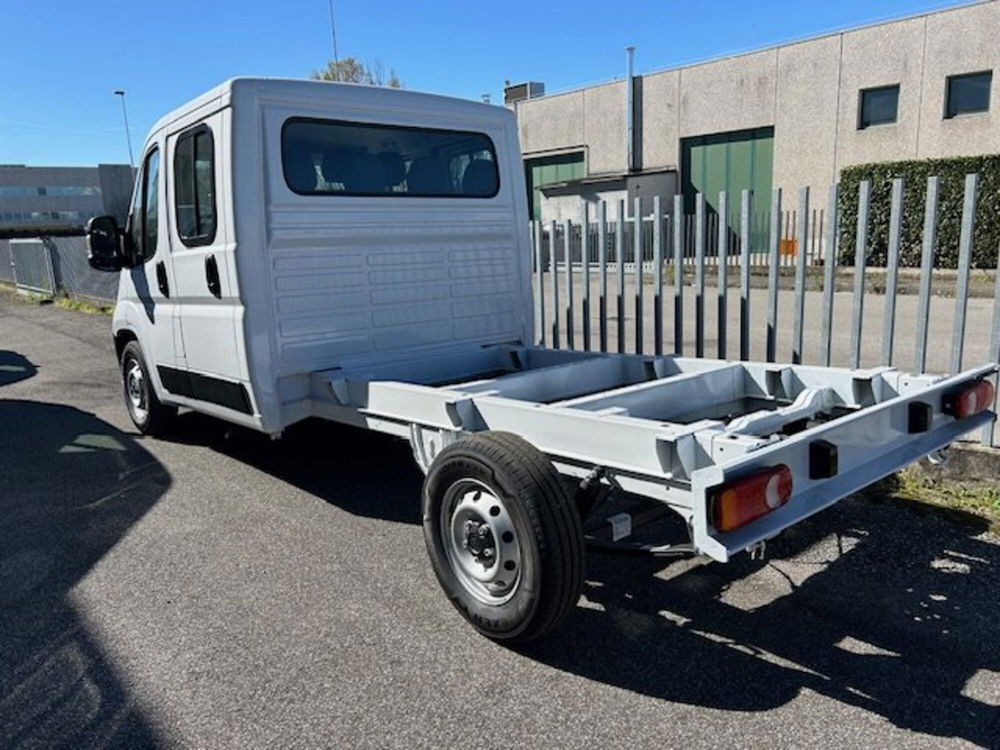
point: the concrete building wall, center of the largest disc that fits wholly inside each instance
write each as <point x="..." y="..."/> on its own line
<point x="960" y="42"/>
<point x="732" y="94"/>
<point x="551" y="123"/>
<point x="807" y="108"/>
<point x="808" y="91"/>
<point x="604" y="127"/>
<point x="658" y="121"/>
<point x="880" y="56"/>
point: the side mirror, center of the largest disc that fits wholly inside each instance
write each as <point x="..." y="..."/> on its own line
<point x="104" y="244"/>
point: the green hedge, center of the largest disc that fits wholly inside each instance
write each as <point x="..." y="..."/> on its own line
<point x="952" y="172"/>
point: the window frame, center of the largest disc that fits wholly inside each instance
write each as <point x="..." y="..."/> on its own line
<point x="387" y="126"/>
<point x="202" y="239"/>
<point x="142" y="188"/>
<point x="947" y="94"/>
<point x="861" y="106"/>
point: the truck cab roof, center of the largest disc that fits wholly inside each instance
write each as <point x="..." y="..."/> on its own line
<point x="298" y="89"/>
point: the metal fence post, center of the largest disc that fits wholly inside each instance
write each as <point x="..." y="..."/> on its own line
<point x="800" y="276"/>
<point x="585" y="258"/>
<point x="926" y="272"/>
<point x="860" y="253"/>
<point x="637" y="261"/>
<point x="678" y="275"/>
<point x="892" y="271"/>
<point x="567" y="252"/>
<point x="964" y="263"/>
<point x="657" y="276"/>
<point x="829" y="275"/>
<point x="699" y="275"/>
<point x="745" y="230"/>
<point x="620" y="257"/>
<point x="772" y="275"/>
<point x="602" y="267"/>
<point x="989" y="429"/>
<point x="555" y="285"/>
<point x="536" y="235"/>
<point x="722" y="269"/>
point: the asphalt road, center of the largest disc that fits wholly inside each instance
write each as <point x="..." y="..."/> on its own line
<point x="215" y="589"/>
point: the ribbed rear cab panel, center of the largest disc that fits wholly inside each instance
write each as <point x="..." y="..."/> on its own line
<point x="342" y="281"/>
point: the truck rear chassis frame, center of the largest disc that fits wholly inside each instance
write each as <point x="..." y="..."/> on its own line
<point x="662" y="427"/>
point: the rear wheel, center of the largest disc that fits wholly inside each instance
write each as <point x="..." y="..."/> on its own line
<point x="504" y="539"/>
<point x="145" y="409"/>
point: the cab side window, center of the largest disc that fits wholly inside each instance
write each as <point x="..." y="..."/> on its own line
<point x="194" y="187"/>
<point x="144" y="214"/>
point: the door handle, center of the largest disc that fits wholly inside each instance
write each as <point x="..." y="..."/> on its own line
<point x="161" y="279"/>
<point x="212" y="276"/>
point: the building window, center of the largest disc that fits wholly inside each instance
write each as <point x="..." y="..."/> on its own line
<point x="194" y="187"/>
<point x="19" y="191"/>
<point x="879" y="106"/>
<point x="968" y="94"/>
<point x="41" y="217"/>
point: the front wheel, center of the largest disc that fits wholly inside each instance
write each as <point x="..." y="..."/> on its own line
<point x="145" y="409"/>
<point x="504" y="539"/>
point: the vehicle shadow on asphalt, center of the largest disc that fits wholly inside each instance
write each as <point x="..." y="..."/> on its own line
<point x="15" y="367"/>
<point x="307" y="453"/>
<point x="887" y="608"/>
<point x="71" y="486"/>
<point x="894" y="614"/>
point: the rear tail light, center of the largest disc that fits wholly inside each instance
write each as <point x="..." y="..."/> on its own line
<point x="741" y="501"/>
<point x="968" y="400"/>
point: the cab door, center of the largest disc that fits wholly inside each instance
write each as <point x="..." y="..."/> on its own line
<point x="150" y="275"/>
<point x="202" y="254"/>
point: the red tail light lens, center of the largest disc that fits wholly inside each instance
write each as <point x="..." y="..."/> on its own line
<point x="968" y="400"/>
<point x="748" y="498"/>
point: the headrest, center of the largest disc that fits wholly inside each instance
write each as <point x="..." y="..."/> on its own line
<point x="429" y="176"/>
<point x="300" y="170"/>
<point x="393" y="168"/>
<point x="480" y="178"/>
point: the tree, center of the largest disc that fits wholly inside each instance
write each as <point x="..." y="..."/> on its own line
<point x="352" y="70"/>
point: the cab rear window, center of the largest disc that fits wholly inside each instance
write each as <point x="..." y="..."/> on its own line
<point x="332" y="157"/>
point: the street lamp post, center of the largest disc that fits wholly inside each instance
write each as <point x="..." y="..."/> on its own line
<point x="128" y="136"/>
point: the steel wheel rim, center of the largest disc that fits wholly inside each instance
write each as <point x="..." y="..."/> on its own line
<point x="469" y="507"/>
<point x="135" y="391"/>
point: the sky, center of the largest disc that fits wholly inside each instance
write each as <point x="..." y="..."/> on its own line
<point x="61" y="61"/>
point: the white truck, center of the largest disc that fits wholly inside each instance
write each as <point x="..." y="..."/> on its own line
<point x="301" y="249"/>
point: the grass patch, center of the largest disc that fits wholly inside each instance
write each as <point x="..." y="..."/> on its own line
<point x="64" y="301"/>
<point x="957" y="498"/>
<point x="83" y="306"/>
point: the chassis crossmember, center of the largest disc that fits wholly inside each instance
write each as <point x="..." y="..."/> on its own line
<point x="670" y="429"/>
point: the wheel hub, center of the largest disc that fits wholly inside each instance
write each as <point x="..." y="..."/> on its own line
<point x="481" y="543"/>
<point x="135" y="390"/>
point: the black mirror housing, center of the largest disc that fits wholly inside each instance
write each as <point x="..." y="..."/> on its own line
<point x="104" y="244"/>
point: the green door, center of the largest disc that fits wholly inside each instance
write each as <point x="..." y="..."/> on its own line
<point x="734" y="162"/>
<point x="547" y="170"/>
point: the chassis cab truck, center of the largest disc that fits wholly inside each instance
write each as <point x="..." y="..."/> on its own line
<point x="302" y="249"/>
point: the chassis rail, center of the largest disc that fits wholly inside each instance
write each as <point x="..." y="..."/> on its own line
<point x="667" y="428"/>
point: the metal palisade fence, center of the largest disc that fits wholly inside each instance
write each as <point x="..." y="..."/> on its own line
<point x="639" y="278"/>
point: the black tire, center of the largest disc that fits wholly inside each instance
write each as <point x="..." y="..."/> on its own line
<point x="147" y="413"/>
<point x="546" y="529"/>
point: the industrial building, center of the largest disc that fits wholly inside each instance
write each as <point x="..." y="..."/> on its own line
<point x="787" y="116"/>
<point x="62" y="196"/>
